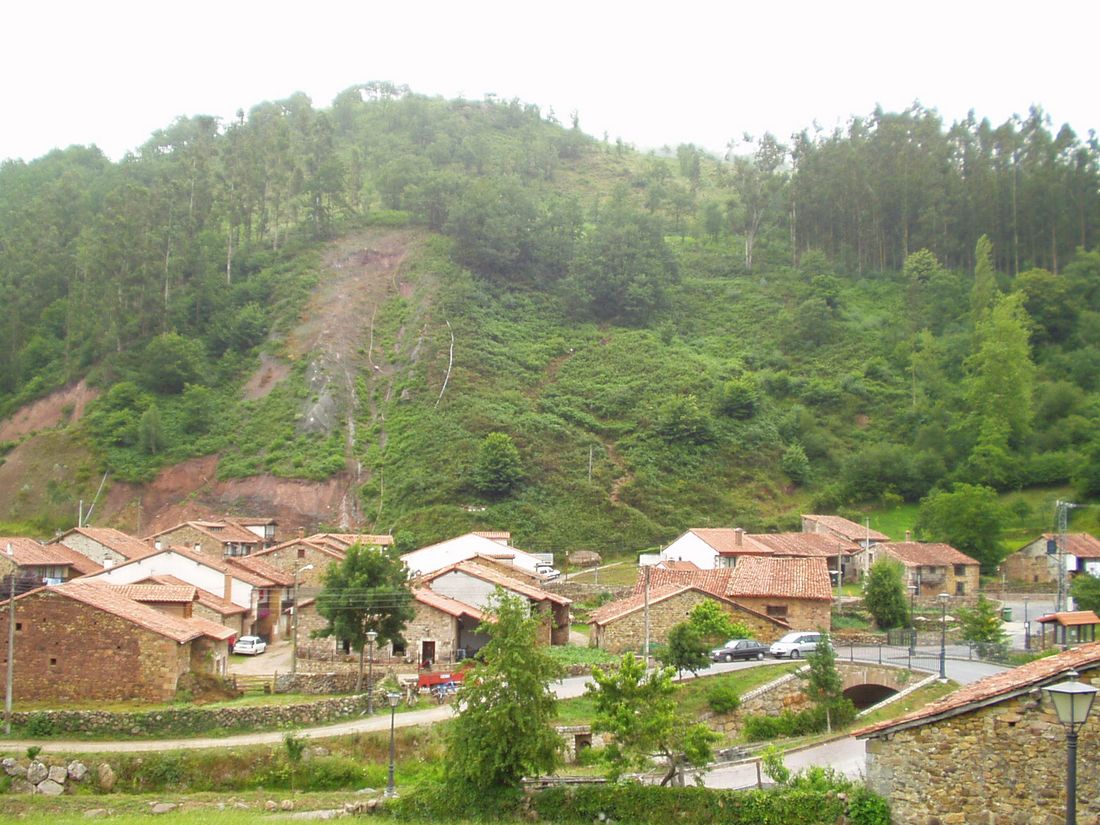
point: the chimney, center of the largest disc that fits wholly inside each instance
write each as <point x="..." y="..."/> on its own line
<point x="738" y="537"/>
<point x="197" y="548"/>
<point x="228" y="586"/>
<point x="301" y="532"/>
<point x="908" y="535"/>
<point x="10" y="553"/>
<point x="157" y="545"/>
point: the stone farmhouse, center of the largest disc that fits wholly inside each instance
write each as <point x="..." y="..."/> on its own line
<point x="619" y="626"/>
<point x="251" y="584"/>
<point x="475" y="585"/>
<point x="224" y="538"/>
<point x="792" y="590"/>
<point x="842" y="529"/>
<point x="45" y="563"/>
<point x="1037" y="561"/>
<point x="104" y="545"/>
<point x="319" y="550"/>
<point x="88" y="640"/>
<point x="992" y="751"/>
<point x="934" y="568"/>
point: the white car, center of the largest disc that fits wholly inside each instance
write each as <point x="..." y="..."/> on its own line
<point x="547" y="571"/>
<point x="250" y="645"/>
<point x="795" y="644"/>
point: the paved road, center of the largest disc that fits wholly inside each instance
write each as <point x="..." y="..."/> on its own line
<point x="564" y="689"/>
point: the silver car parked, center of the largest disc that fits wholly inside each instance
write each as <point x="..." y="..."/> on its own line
<point x="795" y="644"/>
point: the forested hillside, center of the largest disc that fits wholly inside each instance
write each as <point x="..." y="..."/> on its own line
<point x="590" y="346"/>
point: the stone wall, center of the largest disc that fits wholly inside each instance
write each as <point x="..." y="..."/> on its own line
<point x="1004" y="763"/>
<point x="186" y="536"/>
<point x="99" y="553"/>
<point x="177" y="720"/>
<point x="802" y="614"/>
<point x="1031" y="564"/>
<point x="67" y="651"/>
<point x="288" y="560"/>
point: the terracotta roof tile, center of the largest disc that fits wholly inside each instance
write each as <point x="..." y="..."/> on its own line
<point x="261" y="568"/>
<point x="787" y="577"/>
<point x="105" y="597"/>
<point x="715" y="582"/>
<point x="929" y="554"/>
<point x="26" y="552"/>
<point x="725" y="541"/>
<point x="328" y="549"/>
<point x="156" y="592"/>
<point x="1082" y="545"/>
<point x="1070" y="618"/>
<point x="223" y="531"/>
<point x="994" y="688"/>
<point x="122" y="543"/>
<point x="207" y="599"/>
<point x="446" y="604"/>
<point x="636" y="601"/>
<point x="847" y="528"/>
<point x="809" y="545"/>
<point x="494" y="577"/>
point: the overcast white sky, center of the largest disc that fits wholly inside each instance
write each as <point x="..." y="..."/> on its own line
<point x="110" y="73"/>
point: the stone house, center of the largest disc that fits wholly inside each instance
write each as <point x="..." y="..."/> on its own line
<point x="793" y="590"/>
<point x="992" y="751"/>
<point x="442" y="630"/>
<point x="85" y="640"/>
<point x="842" y="529"/>
<point x="935" y="568"/>
<point x="222" y="538"/>
<point x="619" y="626"/>
<point x="250" y="584"/>
<point x="104" y="545"/>
<point x="475" y="585"/>
<point x="1037" y="561"/>
<point x="210" y="606"/>
<point x="45" y="563"/>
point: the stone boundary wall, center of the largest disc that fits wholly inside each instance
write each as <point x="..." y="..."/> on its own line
<point x="184" y="719"/>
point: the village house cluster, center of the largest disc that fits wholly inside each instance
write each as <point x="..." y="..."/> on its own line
<point x="104" y="615"/>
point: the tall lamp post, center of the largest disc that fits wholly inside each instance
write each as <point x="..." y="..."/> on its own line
<point x="1072" y="702"/>
<point x="294" y="632"/>
<point x="392" y="699"/>
<point x="371" y="636"/>
<point x="943" y="597"/>
<point x="912" y="620"/>
<point x="1027" y="628"/>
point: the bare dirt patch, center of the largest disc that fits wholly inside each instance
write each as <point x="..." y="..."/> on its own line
<point x="60" y="407"/>
<point x="264" y="380"/>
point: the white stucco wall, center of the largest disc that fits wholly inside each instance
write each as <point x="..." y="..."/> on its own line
<point x="189" y="570"/>
<point x="689" y="547"/>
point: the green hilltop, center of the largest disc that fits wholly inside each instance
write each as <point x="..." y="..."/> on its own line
<point x="664" y="339"/>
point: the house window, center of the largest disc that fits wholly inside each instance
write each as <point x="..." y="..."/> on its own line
<point x="960" y="588"/>
<point x="398" y="649"/>
<point x="776" y="611"/>
<point x="301" y="552"/>
<point x="960" y="569"/>
<point x="18" y="626"/>
<point x="53" y="661"/>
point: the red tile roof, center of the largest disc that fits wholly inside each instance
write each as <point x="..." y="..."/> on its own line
<point x="1082" y="545"/>
<point x="993" y="689"/>
<point x="494" y="577"/>
<point x="791" y="578"/>
<point x="105" y="597"/>
<point x="920" y="553"/>
<point x="205" y="597"/>
<point x="213" y="562"/>
<point x="122" y="543"/>
<point x="336" y="551"/>
<point x="1070" y="618"/>
<point x="809" y="545"/>
<point x="715" y="582"/>
<point x="348" y="539"/>
<point x="636" y="601"/>
<point x="26" y="552"/>
<point x="156" y="593"/>
<point x="261" y="568"/>
<point x="679" y="565"/>
<point x="726" y="542"/>
<point x="847" y="528"/>
<point x="495" y="535"/>
<point x="223" y="531"/>
<point x="446" y="604"/>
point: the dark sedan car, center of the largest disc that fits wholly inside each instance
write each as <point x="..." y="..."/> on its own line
<point x="738" y="649"/>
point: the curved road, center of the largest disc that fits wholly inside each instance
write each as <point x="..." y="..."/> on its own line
<point x="960" y="671"/>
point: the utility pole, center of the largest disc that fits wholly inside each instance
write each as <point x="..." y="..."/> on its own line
<point x="647" y="617"/>
<point x="1061" y="513"/>
<point x="11" y="651"/>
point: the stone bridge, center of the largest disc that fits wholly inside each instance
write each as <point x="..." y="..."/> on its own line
<point x="866" y="684"/>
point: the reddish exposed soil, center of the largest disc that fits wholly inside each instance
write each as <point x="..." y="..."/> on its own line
<point x="60" y="407"/>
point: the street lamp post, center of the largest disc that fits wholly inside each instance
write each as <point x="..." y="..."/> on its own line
<point x="943" y="636"/>
<point x="1072" y="702"/>
<point x="1027" y="628"/>
<point x="393" y="699"/>
<point x="912" y="620"/>
<point x="294" y="632"/>
<point x="371" y="636"/>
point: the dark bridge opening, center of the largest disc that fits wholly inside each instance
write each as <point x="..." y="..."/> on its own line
<point x="863" y="696"/>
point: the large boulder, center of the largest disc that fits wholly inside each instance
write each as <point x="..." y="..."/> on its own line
<point x="106" y="776"/>
<point x="50" y="788"/>
<point x="77" y="770"/>
<point x="13" y="768"/>
<point x="37" y="772"/>
<point x="58" y="774"/>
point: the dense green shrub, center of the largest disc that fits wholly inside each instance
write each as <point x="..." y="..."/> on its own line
<point x="812" y="720"/>
<point x="723" y="699"/>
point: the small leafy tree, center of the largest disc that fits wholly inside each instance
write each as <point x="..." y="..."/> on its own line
<point x="686" y="650"/>
<point x="498" y="468"/>
<point x="795" y="463"/>
<point x="503" y="731"/>
<point x="884" y="594"/>
<point x="982" y="627"/>
<point x="1086" y="592"/>
<point x="823" y="683"/>
<point x="366" y="591"/>
<point x="739" y="397"/>
<point x="150" y="438"/>
<point x="642" y="715"/>
<point x="714" y="625"/>
<point x="172" y="361"/>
